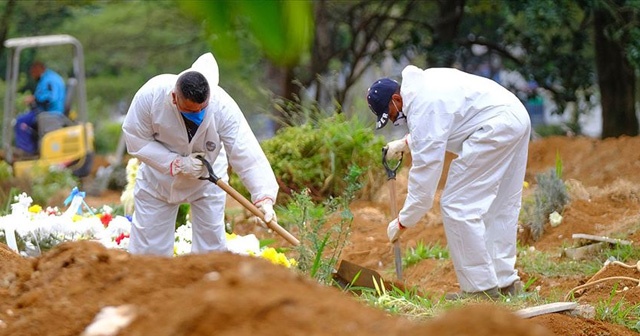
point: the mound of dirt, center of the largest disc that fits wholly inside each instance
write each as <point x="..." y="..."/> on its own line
<point x="214" y="294"/>
<point x="63" y="291"/>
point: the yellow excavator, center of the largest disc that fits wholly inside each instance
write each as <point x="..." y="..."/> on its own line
<point x="68" y="143"/>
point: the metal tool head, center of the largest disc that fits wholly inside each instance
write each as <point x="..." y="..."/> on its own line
<point x="212" y="176"/>
<point x="391" y="172"/>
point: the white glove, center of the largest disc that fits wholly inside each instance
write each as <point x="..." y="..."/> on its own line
<point x="188" y="165"/>
<point x="266" y="206"/>
<point x="396" y="148"/>
<point x="394" y="230"/>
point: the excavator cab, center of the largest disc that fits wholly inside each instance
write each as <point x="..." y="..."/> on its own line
<point x="64" y="140"/>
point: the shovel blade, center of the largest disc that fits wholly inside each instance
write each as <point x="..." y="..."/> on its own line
<point x="350" y="275"/>
<point x="357" y="276"/>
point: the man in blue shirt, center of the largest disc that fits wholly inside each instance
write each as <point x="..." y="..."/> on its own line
<point x="48" y="96"/>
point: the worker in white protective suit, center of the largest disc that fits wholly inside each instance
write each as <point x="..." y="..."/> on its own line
<point x="172" y="120"/>
<point x="488" y="128"/>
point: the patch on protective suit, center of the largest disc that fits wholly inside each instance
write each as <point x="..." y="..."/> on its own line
<point x="211" y="146"/>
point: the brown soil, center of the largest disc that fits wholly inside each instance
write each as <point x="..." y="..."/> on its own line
<point x="61" y="292"/>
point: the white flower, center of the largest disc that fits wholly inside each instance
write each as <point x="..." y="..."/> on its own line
<point x="555" y="219"/>
<point x="107" y="209"/>
<point x="244" y="245"/>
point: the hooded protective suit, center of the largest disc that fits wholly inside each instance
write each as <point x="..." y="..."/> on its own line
<point x="155" y="133"/>
<point x="489" y="129"/>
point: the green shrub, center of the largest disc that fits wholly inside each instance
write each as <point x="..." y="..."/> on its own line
<point x="107" y="135"/>
<point x="550" y="130"/>
<point x="49" y="182"/>
<point x="550" y="196"/>
<point x="314" y="156"/>
<point x="322" y="234"/>
<point x="6" y="172"/>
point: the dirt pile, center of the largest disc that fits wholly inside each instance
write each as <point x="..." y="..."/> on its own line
<point x="61" y="292"/>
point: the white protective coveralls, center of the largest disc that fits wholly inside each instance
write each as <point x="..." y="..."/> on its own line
<point x="155" y="133"/>
<point x="489" y="129"/>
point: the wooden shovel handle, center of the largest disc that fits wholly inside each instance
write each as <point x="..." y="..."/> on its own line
<point x="273" y="225"/>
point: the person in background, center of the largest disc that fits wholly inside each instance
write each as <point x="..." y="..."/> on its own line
<point x="49" y="96"/>
<point x="172" y="120"/>
<point x="488" y="128"/>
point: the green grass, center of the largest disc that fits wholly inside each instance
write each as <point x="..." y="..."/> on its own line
<point x="551" y="265"/>
<point x="414" y="255"/>
<point x="411" y="304"/>
<point x="620" y="312"/>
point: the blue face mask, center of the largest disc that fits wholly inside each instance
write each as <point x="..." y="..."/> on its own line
<point x="196" y="117"/>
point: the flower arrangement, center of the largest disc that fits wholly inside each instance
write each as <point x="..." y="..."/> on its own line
<point x="244" y="245"/>
<point x="30" y="230"/>
<point x="127" y="194"/>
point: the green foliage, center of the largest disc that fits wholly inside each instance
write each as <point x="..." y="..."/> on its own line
<point x="6" y="171"/>
<point x="550" y="196"/>
<point x="535" y="262"/>
<point x="314" y="155"/>
<point x="422" y="251"/>
<point x="143" y="37"/>
<point x="619" y="312"/>
<point x="408" y="302"/>
<point x="622" y="252"/>
<point x="106" y="137"/>
<point x="7" y="199"/>
<point x="183" y="212"/>
<point x="558" y="165"/>
<point x="558" y="48"/>
<point x="550" y="130"/>
<point x="284" y="29"/>
<point x="322" y="235"/>
<point x="7" y="191"/>
<point x="43" y="184"/>
<point x="50" y="181"/>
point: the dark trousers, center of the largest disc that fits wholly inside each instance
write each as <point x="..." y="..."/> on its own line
<point x="26" y="131"/>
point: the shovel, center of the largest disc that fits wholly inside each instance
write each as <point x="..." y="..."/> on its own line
<point x="273" y="225"/>
<point x="391" y="177"/>
<point x="350" y="275"/>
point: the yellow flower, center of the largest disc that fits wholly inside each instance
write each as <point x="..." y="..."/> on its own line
<point x="231" y="236"/>
<point x="76" y="218"/>
<point x="277" y="258"/>
<point x="525" y="184"/>
<point x="35" y="208"/>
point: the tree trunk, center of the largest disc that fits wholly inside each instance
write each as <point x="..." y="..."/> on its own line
<point x="446" y="31"/>
<point x="616" y="79"/>
<point x="282" y="82"/>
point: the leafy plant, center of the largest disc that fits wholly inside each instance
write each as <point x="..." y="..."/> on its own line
<point x="106" y="136"/>
<point x="544" y="131"/>
<point x="550" y="196"/>
<point x="322" y="235"/>
<point x="49" y="181"/>
<point x="314" y="156"/>
<point x="183" y="212"/>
